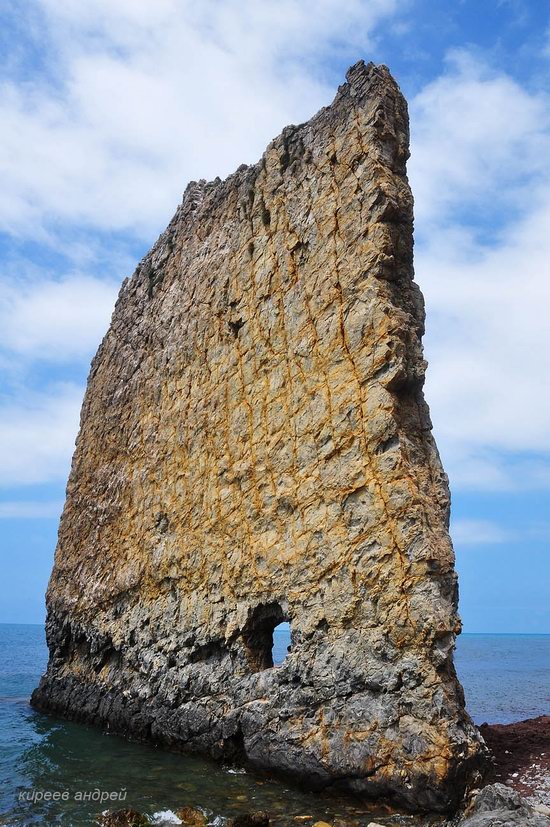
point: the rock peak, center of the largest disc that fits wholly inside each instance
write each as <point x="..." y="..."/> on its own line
<point x="359" y="72"/>
<point x="255" y="448"/>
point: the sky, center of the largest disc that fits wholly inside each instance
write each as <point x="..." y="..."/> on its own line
<point x="108" y="108"/>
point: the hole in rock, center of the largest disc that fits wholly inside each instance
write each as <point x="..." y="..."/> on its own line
<point x="281" y="643"/>
<point x="235" y="326"/>
<point x="266" y="636"/>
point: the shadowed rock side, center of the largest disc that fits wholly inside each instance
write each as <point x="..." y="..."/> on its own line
<point x="255" y="447"/>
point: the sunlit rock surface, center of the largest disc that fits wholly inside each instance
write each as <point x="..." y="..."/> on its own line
<point x="255" y="448"/>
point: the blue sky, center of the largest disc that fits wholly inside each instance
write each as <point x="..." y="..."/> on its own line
<point x="109" y="108"/>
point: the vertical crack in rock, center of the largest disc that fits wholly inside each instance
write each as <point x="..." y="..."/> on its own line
<point x="255" y="447"/>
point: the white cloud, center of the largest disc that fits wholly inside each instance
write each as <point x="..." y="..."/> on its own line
<point x="37" y="434"/>
<point x="475" y="132"/>
<point x="133" y="100"/>
<point x="62" y="321"/>
<point x="482" y="186"/>
<point x="111" y="141"/>
<point x="489" y="346"/>
<point x="477" y="533"/>
<point x="468" y="532"/>
<point x="153" y="94"/>
<point x="30" y="510"/>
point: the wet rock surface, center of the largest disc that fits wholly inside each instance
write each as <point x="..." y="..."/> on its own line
<point x="255" y="448"/>
<point x="258" y="818"/>
<point x="123" y="818"/>
<point x="192" y="816"/>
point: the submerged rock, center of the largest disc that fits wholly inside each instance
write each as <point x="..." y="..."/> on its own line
<point x="123" y="818"/>
<point x="192" y="816"/>
<point x="255" y="448"/>
<point x="257" y="818"/>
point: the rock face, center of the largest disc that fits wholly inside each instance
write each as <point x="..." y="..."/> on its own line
<point x="255" y="448"/>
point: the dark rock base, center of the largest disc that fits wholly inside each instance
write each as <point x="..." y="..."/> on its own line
<point x="223" y="740"/>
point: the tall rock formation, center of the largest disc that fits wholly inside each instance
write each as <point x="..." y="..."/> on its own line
<point x="255" y="447"/>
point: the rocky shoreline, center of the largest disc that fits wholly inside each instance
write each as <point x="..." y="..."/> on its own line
<point x="521" y="752"/>
<point x="496" y="805"/>
<point x="519" y="796"/>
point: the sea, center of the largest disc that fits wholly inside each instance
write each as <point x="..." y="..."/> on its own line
<point x="53" y="772"/>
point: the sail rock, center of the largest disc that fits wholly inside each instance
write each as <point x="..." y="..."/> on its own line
<point x="255" y="448"/>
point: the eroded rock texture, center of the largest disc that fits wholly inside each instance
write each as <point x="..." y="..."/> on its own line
<point x="255" y="447"/>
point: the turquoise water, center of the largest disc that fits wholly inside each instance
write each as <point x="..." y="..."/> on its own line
<point x="506" y="677"/>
